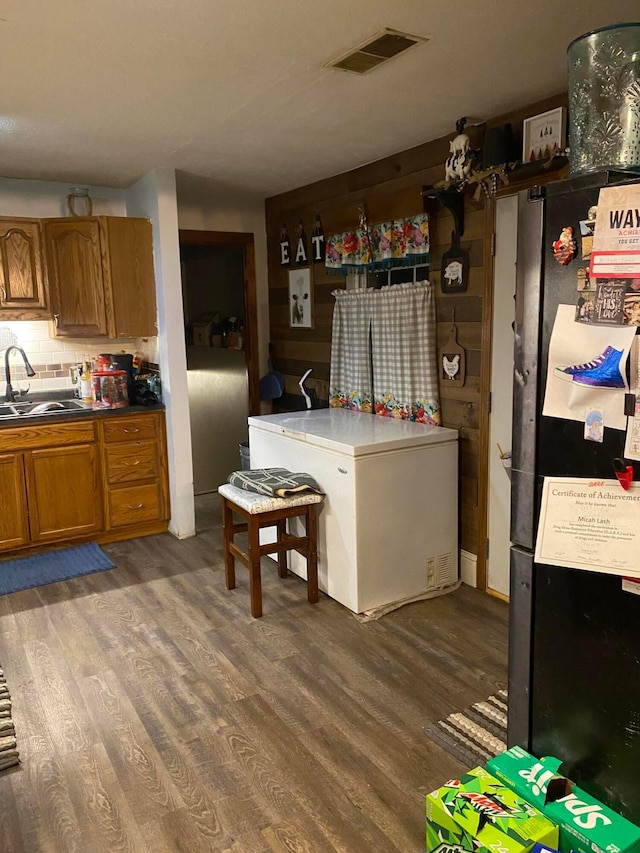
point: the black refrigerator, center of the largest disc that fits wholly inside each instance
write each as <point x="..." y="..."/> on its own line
<point x="574" y="645"/>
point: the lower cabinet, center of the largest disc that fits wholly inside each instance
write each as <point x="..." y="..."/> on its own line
<point x="100" y="478"/>
<point x="14" y="523"/>
<point x="134" y="471"/>
<point x="63" y="485"/>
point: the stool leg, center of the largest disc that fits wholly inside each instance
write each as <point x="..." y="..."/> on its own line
<point x="282" y="555"/>
<point x="255" y="583"/>
<point x="312" y="556"/>
<point x="229" y="561"/>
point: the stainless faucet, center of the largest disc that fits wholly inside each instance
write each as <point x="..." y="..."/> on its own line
<point x="9" y="393"/>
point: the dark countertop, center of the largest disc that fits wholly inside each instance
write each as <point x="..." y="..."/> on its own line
<point x="86" y="410"/>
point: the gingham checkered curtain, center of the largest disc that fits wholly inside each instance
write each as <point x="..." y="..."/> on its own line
<point x="391" y="331"/>
<point x="403" y="346"/>
<point x="350" y="385"/>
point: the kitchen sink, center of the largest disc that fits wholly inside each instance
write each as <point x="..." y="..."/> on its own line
<point x="52" y="407"/>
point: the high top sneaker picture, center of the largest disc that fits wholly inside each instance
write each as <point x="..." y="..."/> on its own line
<point x="603" y="372"/>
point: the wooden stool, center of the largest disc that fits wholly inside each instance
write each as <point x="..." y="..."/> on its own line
<point x="260" y="511"/>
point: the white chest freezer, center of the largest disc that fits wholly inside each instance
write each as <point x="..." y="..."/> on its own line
<point x="388" y="529"/>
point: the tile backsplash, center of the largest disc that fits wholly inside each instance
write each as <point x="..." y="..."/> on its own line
<point x="51" y="358"/>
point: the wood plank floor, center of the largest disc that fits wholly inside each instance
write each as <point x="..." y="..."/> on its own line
<point x="154" y="714"/>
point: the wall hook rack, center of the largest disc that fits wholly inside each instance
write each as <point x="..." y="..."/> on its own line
<point x="451" y="198"/>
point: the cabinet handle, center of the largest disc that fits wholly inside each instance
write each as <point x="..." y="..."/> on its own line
<point x="131" y="464"/>
<point x="3" y="293"/>
<point x="135" y="429"/>
<point x="137" y="506"/>
<point x="56" y="320"/>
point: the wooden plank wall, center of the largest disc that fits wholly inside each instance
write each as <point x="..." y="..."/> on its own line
<point x="392" y="188"/>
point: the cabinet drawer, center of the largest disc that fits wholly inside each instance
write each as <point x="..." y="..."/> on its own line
<point x="135" y="504"/>
<point x="130" y="461"/>
<point x="130" y="429"/>
<point x="47" y="435"/>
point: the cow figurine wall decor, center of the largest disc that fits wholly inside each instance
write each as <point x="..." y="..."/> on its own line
<point x="459" y="163"/>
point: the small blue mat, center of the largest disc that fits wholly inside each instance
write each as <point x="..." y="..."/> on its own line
<point x="52" y="566"/>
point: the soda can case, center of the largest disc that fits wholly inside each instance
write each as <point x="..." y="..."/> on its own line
<point x="477" y="812"/>
<point x="586" y="825"/>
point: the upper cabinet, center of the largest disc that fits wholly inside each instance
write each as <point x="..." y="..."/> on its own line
<point x="23" y="291"/>
<point x="101" y="278"/>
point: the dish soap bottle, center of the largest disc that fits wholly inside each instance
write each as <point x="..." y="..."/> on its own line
<point x="85" y="384"/>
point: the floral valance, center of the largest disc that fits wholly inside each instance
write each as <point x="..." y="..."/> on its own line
<point x="400" y="242"/>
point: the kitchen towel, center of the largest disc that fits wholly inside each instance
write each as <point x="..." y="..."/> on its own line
<point x="275" y="482"/>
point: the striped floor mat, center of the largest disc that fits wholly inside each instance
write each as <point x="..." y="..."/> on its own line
<point x="8" y="752"/>
<point x="475" y="734"/>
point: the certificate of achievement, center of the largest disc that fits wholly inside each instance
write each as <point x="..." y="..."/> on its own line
<point x="590" y="524"/>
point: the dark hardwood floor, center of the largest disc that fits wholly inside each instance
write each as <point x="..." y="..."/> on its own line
<point x="154" y="714"/>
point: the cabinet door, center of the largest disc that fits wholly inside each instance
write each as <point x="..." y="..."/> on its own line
<point x="14" y="523"/>
<point x="75" y="277"/>
<point x="64" y="492"/>
<point x="129" y="276"/>
<point x="22" y="280"/>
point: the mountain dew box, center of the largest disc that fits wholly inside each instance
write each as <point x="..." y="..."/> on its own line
<point x="586" y="825"/>
<point x="478" y="814"/>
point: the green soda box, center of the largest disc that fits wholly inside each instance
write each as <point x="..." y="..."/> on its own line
<point x="478" y="814"/>
<point x="586" y="825"/>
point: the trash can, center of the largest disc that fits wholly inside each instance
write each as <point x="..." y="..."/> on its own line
<point x="245" y="464"/>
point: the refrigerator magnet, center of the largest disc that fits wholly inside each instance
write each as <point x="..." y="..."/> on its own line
<point x="564" y="248"/>
<point x="585" y="281"/>
<point x="594" y="425"/>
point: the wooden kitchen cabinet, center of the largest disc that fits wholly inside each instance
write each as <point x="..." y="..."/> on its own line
<point x="134" y="471"/>
<point x="63" y="486"/>
<point x="14" y="523"/>
<point x="23" y="280"/>
<point x="102" y="478"/>
<point x="101" y="276"/>
<point x="51" y="478"/>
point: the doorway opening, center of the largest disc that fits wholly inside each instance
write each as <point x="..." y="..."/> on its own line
<point x="220" y="316"/>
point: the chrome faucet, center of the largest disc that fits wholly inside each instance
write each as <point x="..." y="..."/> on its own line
<point x="9" y="393"/>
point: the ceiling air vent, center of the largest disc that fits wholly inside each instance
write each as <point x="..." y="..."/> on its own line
<point x="376" y="50"/>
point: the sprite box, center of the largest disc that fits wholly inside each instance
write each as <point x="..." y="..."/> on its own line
<point x="586" y="825"/>
<point x="478" y="814"/>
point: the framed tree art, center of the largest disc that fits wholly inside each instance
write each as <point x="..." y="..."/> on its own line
<point x="543" y="135"/>
<point x="301" y="307"/>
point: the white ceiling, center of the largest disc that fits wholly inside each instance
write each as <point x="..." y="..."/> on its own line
<point x="102" y="91"/>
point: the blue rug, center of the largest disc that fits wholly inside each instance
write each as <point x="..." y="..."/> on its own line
<point x="52" y="566"/>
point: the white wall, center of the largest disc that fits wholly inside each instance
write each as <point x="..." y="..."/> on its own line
<point x="154" y="196"/>
<point x="208" y="206"/>
<point x="49" y="198"/>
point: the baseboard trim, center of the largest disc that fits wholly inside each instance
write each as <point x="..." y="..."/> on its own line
<point x="468" y="568"/>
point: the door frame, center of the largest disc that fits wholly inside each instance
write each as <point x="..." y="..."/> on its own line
<point x="245" y="240"/>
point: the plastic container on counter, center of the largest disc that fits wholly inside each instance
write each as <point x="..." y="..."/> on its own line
<point x="109" y="389"/>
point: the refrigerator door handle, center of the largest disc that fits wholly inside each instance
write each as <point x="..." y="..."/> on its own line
<point x="525" y="369"/>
